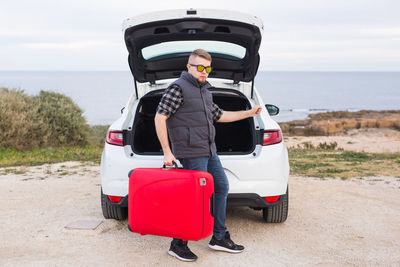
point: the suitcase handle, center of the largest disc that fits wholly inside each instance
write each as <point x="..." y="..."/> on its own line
<point x="175" y="165"/>
<point x="212" y="205"/>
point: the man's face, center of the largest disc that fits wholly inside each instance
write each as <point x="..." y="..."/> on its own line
<point x="200" y="76"/>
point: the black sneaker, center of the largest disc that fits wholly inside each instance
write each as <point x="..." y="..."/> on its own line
<point x="182" y="251"/>
<point x="225" y="244"/>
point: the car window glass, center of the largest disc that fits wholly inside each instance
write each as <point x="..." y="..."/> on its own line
<point x="174" y="47"/>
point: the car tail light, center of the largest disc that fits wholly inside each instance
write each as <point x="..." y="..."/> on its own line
<point x="115" y="138"/>
<point x="272" y="199"/>
<point x="114" y="199"/>
<point x="272" y="137"/>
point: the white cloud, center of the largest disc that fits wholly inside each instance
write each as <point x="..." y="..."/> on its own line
<point x="70" y="45"/>
<point x="392" y="32"/>
<point x="349" y="33"/>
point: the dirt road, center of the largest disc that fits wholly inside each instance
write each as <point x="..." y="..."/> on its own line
<point x="331" y="223"/>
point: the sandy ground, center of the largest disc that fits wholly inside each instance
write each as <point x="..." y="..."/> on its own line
<point x="331" y="223"/>
<point x="365" y="140"/>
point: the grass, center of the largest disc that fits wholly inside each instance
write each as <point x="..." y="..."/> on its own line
<point x="13" y="171"/>
<point x="323" y="160"/>
<point x="13" y="157"/>
<point x="315" y="162"/>
<point x="324" y="145"/>
<point x="342" y="164"/>
<point x="90" y="153"/>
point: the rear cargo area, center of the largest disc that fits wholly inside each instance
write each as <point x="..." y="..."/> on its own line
<point x="231" y="138"/>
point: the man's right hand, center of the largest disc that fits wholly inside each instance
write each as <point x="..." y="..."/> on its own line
<point x="168" y="159"/>
<point x="161" y="129"/>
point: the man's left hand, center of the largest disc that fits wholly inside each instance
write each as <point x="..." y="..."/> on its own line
<point x="255" y="110"/>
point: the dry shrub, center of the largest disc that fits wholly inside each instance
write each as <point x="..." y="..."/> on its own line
<point x="388" y="123"/>
<point x="49" y="119"/>
<point x="372" y="114"/>
<point x="326" y="146"/>
<point x="284" y="127"/>
<point x="314" y="130"/>
<point x="396" y="125"/>
<point x="350" y="124"/>
<point x="305" y="145"/>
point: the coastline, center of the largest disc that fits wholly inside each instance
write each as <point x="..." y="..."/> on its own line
<point x="340" y="122"/>
<point x="296" y="93"/>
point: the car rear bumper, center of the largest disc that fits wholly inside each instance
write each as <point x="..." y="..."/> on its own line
<point x="265" y="172"/>
<point x="250" y="200"/>
<point x="243" y="199"/>
<point x="123" y="203"/>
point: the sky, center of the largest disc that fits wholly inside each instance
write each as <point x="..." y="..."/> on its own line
<point x="308" y="35"/>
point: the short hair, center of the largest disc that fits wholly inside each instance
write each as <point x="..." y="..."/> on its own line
<point x="200" y="53"/>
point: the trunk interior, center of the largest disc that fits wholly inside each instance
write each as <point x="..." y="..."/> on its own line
<point x="231" y="138"/>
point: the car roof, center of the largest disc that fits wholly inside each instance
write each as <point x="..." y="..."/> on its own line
<point x="192" y="13"/>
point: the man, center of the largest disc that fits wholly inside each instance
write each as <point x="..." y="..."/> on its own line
<point x="186" y="109"/>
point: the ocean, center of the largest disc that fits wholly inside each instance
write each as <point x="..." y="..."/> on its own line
<point x="102" y="94"/>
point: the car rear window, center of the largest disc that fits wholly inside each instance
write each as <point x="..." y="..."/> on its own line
<point x="170" y="49"/>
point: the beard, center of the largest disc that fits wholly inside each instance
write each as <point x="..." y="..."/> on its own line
<point x="201" y="80"/>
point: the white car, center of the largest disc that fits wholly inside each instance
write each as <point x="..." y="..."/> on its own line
<point x="252" y="151"/>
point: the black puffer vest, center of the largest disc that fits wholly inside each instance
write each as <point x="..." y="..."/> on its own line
<point x="191" y="128"/>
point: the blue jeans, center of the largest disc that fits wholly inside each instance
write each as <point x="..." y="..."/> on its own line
<point x="221" y="187"/>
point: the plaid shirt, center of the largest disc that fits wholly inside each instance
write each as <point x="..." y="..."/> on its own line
<point x="173" y="99"/>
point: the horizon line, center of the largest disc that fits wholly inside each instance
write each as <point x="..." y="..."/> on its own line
<point x="182" y="70"/>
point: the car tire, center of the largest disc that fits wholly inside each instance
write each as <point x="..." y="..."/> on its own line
<point x="112" y="211"/>
<point x="277" y="213"/>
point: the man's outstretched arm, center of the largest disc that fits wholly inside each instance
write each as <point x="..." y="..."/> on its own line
<point x="162" y="134"/>
<point x="230" y="116"/>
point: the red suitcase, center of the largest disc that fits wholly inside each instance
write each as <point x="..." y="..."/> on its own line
<point x="171" y="202"/>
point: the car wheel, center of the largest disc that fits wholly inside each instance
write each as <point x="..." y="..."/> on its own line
<point x="277" y="213"/>
<point x="112" y="211"/>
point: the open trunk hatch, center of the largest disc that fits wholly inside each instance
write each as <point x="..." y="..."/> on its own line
<point x="160" y="49"/>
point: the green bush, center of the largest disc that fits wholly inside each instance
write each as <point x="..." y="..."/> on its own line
<point x="49" y="119"/>
<point x="19" y="126"/>
<point x="63" y="118"/>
